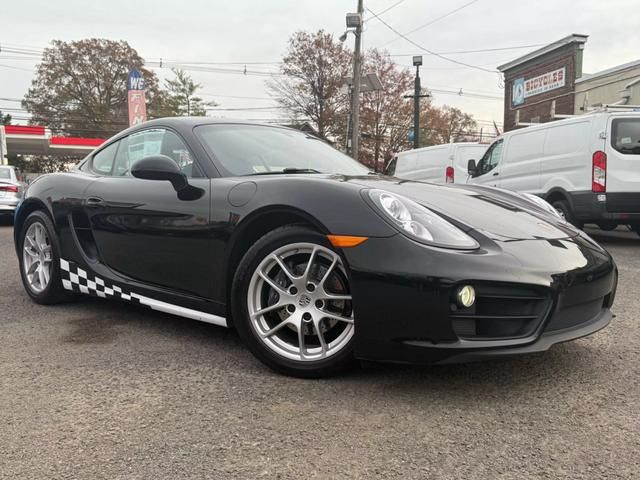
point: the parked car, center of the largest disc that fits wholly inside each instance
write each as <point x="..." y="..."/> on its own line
<point x="587" y="167"/>
<point x="445" y="163"/>
<point x="313" y="259"/>
<point x="11" y="189"/>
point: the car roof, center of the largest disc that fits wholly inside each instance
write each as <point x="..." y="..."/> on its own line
<point x="187" y="123"/>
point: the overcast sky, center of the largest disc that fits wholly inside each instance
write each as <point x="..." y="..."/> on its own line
<point x="257" y="31"/>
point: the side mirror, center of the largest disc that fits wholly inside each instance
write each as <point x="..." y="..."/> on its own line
<point x="160" y="167"/>
<point x="471" y="167"/>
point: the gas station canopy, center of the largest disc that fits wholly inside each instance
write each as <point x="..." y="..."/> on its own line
<point x="37" y="140"/>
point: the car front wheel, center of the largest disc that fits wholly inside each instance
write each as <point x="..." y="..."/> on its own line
<point x="292" y="303"/>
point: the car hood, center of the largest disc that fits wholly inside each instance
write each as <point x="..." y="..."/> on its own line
<point x="499" y="214"/>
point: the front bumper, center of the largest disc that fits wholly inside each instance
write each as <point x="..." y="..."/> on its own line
<point x="404" y="297"/>
<point x="543" y="343"/>
<point x="8" y="205"/>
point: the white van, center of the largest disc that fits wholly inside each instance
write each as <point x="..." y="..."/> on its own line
<point x="445" y="163"/>
<point x="587" y="167"/>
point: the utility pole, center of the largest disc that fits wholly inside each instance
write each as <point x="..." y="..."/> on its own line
<point x="417" y="61"/>
<point x="355" y="93"/>
<point x="416" y="109"/>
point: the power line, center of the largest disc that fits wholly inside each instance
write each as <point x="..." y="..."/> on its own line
<point x="426" y="49"/>
<point x="387" y="9"/>
<point x="431" y="22"/>
<point x="480" y="50"/>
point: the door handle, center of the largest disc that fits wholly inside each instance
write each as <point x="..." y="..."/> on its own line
<point x="95" y="202"/>
<point x="496" y="174"/>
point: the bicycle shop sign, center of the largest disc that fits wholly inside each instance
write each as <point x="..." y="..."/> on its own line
<point x="525" y="88"/>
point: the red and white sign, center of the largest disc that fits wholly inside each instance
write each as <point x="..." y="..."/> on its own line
<point x="137" y="104"/>
<point x="545" y="82"/>
<point x="137" y="107"/>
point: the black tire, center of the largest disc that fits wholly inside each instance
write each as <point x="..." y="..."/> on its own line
<point x="54" y="292"/>
<point x="240" y="311"/>
<point x="563" y="208"/>
<point x="607" y="226"/>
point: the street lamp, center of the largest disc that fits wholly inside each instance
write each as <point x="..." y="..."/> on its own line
<point x="417" y="62"/>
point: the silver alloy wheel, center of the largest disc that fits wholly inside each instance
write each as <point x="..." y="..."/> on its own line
<point x="299" y="302"/>
<point x="36" y="257"/>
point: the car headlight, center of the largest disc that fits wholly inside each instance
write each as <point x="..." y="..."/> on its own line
<point x="420" y="223"/>
<point x="542" y="204"/>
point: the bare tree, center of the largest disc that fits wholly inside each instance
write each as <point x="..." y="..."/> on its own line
<point x="313" y="75"/>
<point x="385" y="117"/>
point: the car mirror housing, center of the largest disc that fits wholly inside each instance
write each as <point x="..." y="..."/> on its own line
<point x="160" y="167"/>
<point x="471" y="167"/>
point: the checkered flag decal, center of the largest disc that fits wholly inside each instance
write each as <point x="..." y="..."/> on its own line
<point x="78" y="280"/>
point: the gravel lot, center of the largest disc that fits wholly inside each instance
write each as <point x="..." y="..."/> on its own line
<point x="102" y="390"/>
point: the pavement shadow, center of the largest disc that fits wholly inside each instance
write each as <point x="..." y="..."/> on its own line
<point x="621" y="236"/>
<point x="562" y="365"/>
<point x="101" y="319"/>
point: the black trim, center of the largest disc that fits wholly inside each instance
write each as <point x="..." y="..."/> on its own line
<point x="619" y="206"/>
<point x="546" y="341"/>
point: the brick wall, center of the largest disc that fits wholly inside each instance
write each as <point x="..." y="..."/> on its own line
<point x="538" y="107"/>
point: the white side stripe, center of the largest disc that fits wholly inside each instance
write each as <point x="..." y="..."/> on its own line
<point x="180" y="311"/>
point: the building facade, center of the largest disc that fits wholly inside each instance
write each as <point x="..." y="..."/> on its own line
<point x="540" y="86"/>
<point x="548" y="84"/>
<point x="615" y="86"/>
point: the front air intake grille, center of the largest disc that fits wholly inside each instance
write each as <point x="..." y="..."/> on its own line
<point x="500" y="312"/>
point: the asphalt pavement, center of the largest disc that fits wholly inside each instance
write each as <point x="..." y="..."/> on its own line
<point x="99" y="390"/>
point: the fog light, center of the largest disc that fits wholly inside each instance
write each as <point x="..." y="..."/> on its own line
<point x="466" y="296"/>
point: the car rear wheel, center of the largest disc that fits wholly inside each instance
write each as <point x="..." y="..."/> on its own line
<point x="292" y="303"/>
<point x="39" y="258"/>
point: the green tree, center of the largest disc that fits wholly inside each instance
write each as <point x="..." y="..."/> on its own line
<point x="180" y="96"/>
<point x="5" y="119"/>
<point x="80" y="87"/>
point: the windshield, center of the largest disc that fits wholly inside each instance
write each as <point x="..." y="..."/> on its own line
<point x="261" y="150"/>
<point x="5" y="174"/>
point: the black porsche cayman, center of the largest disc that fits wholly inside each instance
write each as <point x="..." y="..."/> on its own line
<point x="310" y="257"/>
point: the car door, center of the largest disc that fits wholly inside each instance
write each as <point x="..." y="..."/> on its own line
<point x="488" y="168"/>
<point x="141" y="228"/>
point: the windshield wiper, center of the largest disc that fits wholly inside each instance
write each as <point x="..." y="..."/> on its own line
<point x="285" y="171"/>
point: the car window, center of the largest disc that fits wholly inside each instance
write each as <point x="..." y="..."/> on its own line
<point x="5" y="174"/>
<point x="391" y="167"/>
<point x="102" y="162"/>
<point x="626" y="135"/>
<point x="156" y="141"/>
<point x="490" y="159"/>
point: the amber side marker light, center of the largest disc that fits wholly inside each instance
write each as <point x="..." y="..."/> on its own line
<point x="345" y="241"/>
